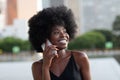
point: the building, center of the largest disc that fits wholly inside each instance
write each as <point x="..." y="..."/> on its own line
<point x="14" y="15"/>
<point x="99" y="14"/>
<point x="2" y="13"/>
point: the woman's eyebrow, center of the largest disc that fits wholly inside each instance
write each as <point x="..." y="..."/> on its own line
<point x="55" y="29"/>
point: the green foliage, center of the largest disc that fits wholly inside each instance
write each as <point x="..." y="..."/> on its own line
<point x="25" y="45"/>
<point x="116" y="32"/>
<point x="116" y="24"/>
<point x="116" y="41"/>
<point x="89" y="40"/>
<point x="108" y="34"/>
<point x="8" y="43"/>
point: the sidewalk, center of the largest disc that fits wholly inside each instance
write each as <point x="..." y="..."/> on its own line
<point x="105" y="69"/>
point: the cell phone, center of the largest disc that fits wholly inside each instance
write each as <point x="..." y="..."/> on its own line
<point x="49" y="43"/>
<point x="43" y="45"/>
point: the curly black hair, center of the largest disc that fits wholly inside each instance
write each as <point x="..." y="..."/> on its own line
<point x="40" y="24"/>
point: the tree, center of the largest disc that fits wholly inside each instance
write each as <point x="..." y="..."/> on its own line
<point x="116" y="24"/>
<point x="108" y="34"/>
<point x="116" y="32"/>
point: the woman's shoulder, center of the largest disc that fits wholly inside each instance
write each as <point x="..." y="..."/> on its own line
<point x="79" y="54"/>
<point x="37" y="64"/>
<point x="37" y="70"/>
<point x="81" y="58"/>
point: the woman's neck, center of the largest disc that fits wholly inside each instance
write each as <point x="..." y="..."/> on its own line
<point x="62" y="53"/>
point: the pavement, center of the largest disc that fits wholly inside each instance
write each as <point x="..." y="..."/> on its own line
<point x="105" y="69"/>
<point x="15" y="71"/>
<point x="101" y="69"/>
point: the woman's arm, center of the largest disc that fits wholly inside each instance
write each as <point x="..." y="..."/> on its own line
<point x="40" y="69"/>
<point x="37" y="71"/>
<point x="45" y="73"/>
<point x="83" y="63"/>
<point x="40" y="72"/>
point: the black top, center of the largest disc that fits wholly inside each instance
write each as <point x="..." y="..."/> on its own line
<point x="71" y="72"/>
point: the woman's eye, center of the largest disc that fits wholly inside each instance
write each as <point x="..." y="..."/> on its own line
<point x="56" y="32"/>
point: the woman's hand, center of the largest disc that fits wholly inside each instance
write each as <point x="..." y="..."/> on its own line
<point x="48" y="54"/>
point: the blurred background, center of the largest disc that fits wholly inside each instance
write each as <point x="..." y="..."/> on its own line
<point x="98" y="35"/>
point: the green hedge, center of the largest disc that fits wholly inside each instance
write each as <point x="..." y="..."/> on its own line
<point x="115" y="39"/>
<point x="7" y="44"/>
<point x="90" y="40"/>
<point x="107" y="33"/>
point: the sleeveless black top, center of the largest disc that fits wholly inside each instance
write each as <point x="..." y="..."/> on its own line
<point x="71" y="72"/>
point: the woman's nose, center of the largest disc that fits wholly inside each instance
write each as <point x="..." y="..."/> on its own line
<point x="62" y="34"/>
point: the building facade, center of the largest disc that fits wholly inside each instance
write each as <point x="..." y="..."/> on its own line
<point x="14" y="15"/>
<point x="99" y="14"/>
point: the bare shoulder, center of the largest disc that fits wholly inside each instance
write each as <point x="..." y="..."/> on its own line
<point x="37" y="70"/>
<point x="80" y="57"/>
<point x="80" y="54"/>
<point x="82" y="61"/>
<point x="37" y="64"/>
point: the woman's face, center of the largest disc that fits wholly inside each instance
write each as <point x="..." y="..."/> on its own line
<point x="59" y="37"/>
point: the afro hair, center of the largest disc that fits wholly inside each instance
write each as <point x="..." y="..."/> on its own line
<point x="40" y="24"/>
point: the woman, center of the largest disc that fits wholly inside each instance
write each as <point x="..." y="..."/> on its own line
<point x="57" y="26"/>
